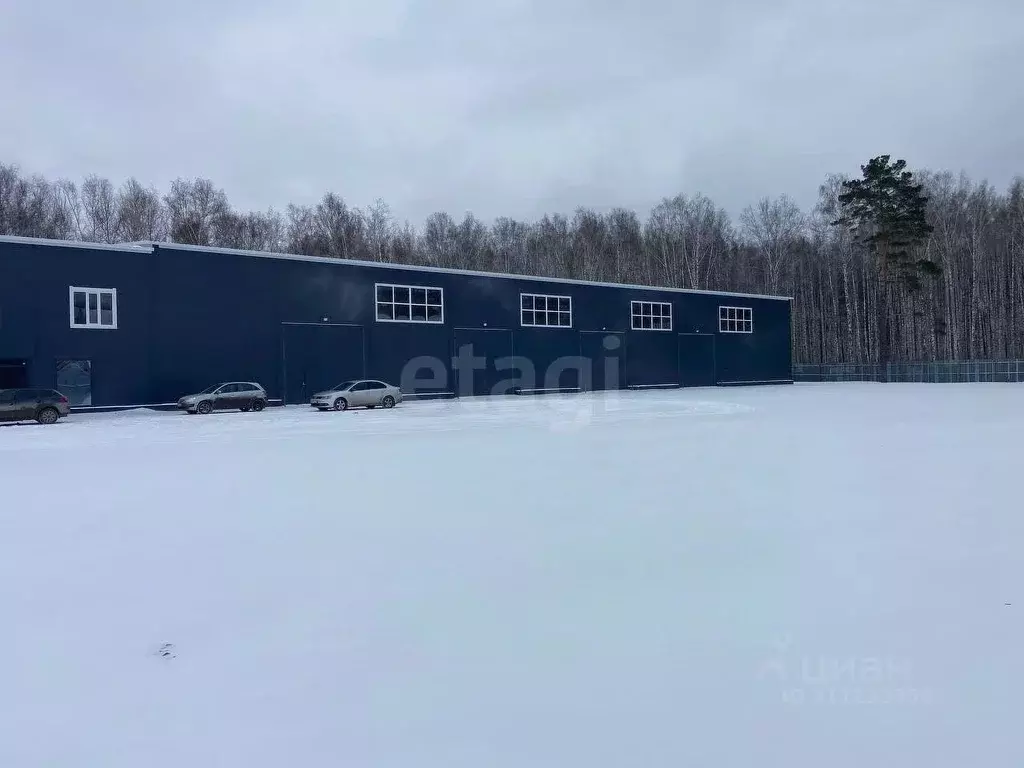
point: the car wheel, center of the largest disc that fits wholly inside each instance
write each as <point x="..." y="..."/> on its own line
<point x="388" y="401"/>
<point x="204" y="407"/>
<point x="340" y="404"/>
<point x="47" y="416"/>
<point x="258" y="405"/>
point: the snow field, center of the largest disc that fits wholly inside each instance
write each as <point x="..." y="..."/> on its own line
<point x="804" y="576"/>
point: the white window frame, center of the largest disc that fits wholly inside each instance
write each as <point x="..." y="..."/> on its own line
<point x="98" y="293"/>
<point x="546" y="297"/>
<point x="743" y="317"/>
<point x="425" y="321"/>
<point x="637" y="314"/>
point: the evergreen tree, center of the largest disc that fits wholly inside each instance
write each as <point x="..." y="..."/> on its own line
<point x="886" y="212"/>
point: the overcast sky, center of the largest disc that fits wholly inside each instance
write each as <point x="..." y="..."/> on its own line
<point x="509" y="107"/>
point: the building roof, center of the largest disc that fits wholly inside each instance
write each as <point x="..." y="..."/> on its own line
<point x="126" y="247"/>
<point x="445" y="270"/>
<point x="147" y="246"/>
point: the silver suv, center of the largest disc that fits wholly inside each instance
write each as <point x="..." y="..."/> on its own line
<point x="240" y="395"/>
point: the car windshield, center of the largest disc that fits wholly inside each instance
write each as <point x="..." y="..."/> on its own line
<point x="210" y="390"/>
<point x="344" y="385"/>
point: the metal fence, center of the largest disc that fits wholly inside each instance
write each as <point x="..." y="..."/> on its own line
<point x="942" y="372"/>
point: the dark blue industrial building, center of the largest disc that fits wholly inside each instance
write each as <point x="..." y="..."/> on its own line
<point x="143" y="324"/>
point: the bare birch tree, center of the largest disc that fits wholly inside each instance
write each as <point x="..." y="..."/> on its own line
<point x="194" y="210"/>
<point x="141" y="215"/>
<point x="380" y="231"/>
<point x="99" y="211"/>
<point x="773" y="227"/>
<point x="440" y="240"/>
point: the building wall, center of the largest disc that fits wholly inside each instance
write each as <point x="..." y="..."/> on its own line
<point x="190" y="317"/>
<point x="35" y="316"/>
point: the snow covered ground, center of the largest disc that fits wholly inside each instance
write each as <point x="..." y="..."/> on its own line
<point x="814" y="575"/>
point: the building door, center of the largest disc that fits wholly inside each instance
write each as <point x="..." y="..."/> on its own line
<point x="697" y="360"/>
<point x="604" y="352"/>
<point x="74" y="381"/>
<point x="13" y="373"/>
<point x="317" y="356"/>
<point x="477" y="353"/>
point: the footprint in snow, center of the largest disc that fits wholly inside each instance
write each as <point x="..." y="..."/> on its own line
<point x="166" y="651"/>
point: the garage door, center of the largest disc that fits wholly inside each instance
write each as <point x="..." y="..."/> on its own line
<point x="317" y="356"/>
<point x="606" y="354"/>
<point x="477" y="352"/>
<point x="697" y="360"/>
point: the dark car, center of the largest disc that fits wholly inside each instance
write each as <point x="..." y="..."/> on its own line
<point x="232" y="395"/>
<point x="43" y="405"/>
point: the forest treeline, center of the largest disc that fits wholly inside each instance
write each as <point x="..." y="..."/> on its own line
<point x="973" y="310"/>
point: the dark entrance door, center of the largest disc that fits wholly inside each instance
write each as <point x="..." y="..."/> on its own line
<point x="317" y="357"/>
<point x="477" y="352"/>
<point x="13" y="374"/>
<point x="74" y="381"/>
<point x="606" y="353"/>
<point x="697" y="360"/>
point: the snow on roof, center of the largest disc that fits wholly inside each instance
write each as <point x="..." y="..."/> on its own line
<point x="126" y="247"/>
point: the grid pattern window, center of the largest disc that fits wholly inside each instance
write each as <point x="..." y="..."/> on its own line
<point x="93" y="307"/>
<point x="409" y="304"/>
<point x="652" y="316"/>
<point x="545" y="311"/>
<point x="735" y="320"/>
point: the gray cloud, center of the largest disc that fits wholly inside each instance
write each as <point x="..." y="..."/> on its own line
<point x="510" y="107"/>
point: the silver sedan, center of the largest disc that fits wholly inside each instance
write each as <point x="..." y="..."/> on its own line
<point x="359" y="393"/>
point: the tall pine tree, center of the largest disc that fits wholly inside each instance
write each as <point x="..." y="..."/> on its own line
<point x="886" y="212"/>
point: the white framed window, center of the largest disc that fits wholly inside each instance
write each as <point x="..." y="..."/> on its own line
<point x="735" y="320"/>
<point x="409" y="303"/>
<point x="651" y="315"/>
<point x="93" y="307"/>
<point x="537" y="309"/>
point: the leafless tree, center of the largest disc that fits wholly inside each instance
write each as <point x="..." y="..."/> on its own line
<point x="549" y="247"/>
<point x="99" y="211"/>
<point x="195" y="210"/>
<point x="510" y="239"/>
<point x="689" y="235"/>
<point x="65" y="209"/>
<point x="406" y="245"/>
<point x="473" y="247"/>
<point x="589" y="235"/>
<point x="141" y="215"/>
<point x="773" y="227"/>
<point x="10" y="192"/>
<point x="440" y="240"/>
<point x="253" y="231"/>
<point x="624" y="248"/>
<point x="380" y="231"/>
<point x="300" y="236"/>
<point x="337" y="230"/>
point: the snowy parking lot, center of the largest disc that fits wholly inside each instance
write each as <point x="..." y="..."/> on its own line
<point x="808" y="575"/>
